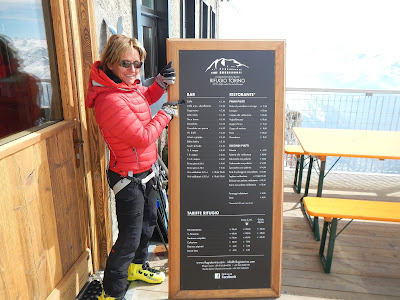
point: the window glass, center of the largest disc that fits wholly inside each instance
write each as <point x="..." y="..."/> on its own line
<point x="212" y="25"/>
<point x="29" y="86"/>
<point x="147" y="44"/>
<point x="204" y="27"/>
<point x="189" y="19"/>
<point x="148" y="3"/>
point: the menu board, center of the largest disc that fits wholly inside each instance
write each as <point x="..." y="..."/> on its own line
<point x="227" y="149"/>
<point x="226" y="146"/>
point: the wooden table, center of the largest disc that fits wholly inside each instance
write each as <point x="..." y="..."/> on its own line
<point x="323" y="142"/>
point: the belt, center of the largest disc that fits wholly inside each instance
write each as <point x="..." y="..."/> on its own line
<point x="127" y="180"/>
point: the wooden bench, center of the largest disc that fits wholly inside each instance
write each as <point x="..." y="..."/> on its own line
<point x="333" y="210"/>
<point x="297" y="150"/>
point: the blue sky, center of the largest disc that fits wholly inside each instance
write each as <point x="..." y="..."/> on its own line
<point x="329" y="44"/>
<point x="22" y="19"/>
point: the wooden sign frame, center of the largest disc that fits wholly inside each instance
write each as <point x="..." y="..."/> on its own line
<point x="174" y="46"/>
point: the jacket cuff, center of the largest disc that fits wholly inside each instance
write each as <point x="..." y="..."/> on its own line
<point x="167" y="114"/>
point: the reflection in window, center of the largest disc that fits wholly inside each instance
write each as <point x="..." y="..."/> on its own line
<point x="29" y="88"/>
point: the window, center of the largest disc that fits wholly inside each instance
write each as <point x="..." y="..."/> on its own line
<point x="148" y="3"/>
<point x="212" y="24"/>
<point x="204" y="20"/>
<point x="29" y="86"/>
<point x="149" y="43"/>
<point x="152" y="32"/>
<point x="188" y="11"/>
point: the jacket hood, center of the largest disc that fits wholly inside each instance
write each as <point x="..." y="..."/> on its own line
<point x="100" y="82"/>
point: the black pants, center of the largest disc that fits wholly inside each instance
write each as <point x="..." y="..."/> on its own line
<point x="137" y="216"/>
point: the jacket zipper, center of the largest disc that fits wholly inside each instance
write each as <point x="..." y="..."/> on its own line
<point x="145" y="100"/>
<point x="109" y="147"/>
<point x="137" y="158"/>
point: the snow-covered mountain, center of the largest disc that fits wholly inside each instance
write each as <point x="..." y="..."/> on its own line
<point x="34" y="57"/>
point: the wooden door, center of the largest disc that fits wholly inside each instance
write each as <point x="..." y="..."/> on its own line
<point x="44" y="215"/>
<point x="54" y="217"/>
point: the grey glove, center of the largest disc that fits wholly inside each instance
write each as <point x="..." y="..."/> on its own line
<point x="171" y="108"/>
<point x="166" y="76"/>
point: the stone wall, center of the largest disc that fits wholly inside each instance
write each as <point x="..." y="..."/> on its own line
<point x="111" y="10"/>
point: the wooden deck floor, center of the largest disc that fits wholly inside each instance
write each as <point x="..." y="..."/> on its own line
<point x="366" y="262"/>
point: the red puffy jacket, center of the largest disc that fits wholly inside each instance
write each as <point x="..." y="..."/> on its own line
<point x="124" y="118"/>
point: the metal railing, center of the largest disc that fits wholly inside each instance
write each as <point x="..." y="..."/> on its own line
<point x="344" y="109"/>
<point x="331" y="108"/>
<point x="47" y="93"/>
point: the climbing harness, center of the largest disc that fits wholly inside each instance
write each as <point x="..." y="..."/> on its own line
<point x="127" y="180"/>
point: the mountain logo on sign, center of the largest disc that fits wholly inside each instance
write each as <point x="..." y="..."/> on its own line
<point x="229" y="63"/>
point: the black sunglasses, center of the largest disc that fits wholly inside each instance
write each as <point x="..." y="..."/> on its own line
<point x="127" y="64"/>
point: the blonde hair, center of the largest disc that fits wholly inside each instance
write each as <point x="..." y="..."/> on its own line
<point x="116" y="46"/>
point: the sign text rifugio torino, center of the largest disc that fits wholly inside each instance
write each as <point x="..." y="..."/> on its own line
<point x="226" y="138"/>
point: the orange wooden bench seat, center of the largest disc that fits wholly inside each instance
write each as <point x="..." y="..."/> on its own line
<point x="297" y="150"/>
<point x="294" y="149"/>
<point x="333" y="209"/>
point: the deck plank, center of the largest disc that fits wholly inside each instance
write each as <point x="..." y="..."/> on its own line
<point x="331" y="294"/>
<point x="365" y="241"/>
<point x="343" y="252"/>
<point x="346" y="265"/>
<point x="342" y="282"/>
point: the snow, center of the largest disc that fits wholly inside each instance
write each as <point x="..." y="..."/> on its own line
<point x="34" y="57"/>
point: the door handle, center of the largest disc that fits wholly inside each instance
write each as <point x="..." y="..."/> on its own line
<point x="77" y="144"/>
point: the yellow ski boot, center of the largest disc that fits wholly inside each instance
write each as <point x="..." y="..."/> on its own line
<point x="104" y="296"/>
<point x="145" y="273"/>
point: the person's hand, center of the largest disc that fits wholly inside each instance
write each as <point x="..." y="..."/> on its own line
<point x="171" y="108"/>
<point x="166" y="77"/>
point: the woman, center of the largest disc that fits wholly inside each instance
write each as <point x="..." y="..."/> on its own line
<point x="19" y="92"/>
<point x="124" y="118"/>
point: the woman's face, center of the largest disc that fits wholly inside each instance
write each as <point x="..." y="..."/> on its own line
<point x="127" y="75"/>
